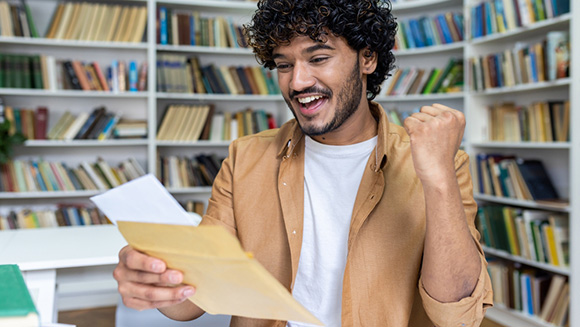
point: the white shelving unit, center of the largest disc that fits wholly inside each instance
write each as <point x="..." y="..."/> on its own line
<point x="561" y="158"/>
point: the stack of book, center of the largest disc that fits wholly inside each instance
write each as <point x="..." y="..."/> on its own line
<point x="535" y="235"/>
<point x="531" y="291"/>
<point x="24" y="71"/>
<point x="130" y="129"/>
<point x="96" y="125"/>
<point x="542" y="61"/>
<point x="183" y="74"/>
<point x="41" y="175"/>
<point x="429" y="31"/>
<point x="179" y="27"/>
<point x="183" y="172"/>
<point x="498" y="16"/>
<point x="29" y="122"/>
<point x="16" y="20"/>
<point x="511" y="177"/>
<point x="191" y="123"/>
<point x="45" y="72"/>
<point x="63" y="215"/>
<point x="408" y="81"/>
<point x="537" y="122"/>
<point x="86" y="21"/>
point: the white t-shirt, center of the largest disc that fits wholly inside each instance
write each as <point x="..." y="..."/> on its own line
<point x="332" y="176"/>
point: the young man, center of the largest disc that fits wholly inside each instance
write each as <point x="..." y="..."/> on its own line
<point x="366" y="223"/>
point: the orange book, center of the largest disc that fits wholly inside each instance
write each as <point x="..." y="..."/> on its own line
<point x="81" y="75"/>
<point x="100" y="76"/>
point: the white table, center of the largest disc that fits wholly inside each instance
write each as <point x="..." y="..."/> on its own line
<point x="40" y="253"/>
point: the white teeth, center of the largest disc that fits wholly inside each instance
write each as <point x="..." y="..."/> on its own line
<point x="309" y="99"/>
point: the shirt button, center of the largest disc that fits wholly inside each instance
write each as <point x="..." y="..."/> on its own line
<point x="294" y="232"/>
<point x="284" y="184"/>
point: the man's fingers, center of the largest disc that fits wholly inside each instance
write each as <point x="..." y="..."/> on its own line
<point x="169" y="277"/>
<point x="136" y="260"/>
<point x="155" y="293"/>
<point x="422" y="116"/>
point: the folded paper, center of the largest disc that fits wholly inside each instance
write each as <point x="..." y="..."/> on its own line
<point x="227" y="280"/>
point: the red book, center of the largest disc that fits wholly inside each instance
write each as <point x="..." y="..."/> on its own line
<point x="40" y="123"/>
<point x="271" y="121"/>
<point x="100" y="76"/>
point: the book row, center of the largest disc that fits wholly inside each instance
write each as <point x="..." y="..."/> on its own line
<point x="512" y="177"/>
<point x="16" y="20"/>
<point x="536" y="122"/>
<point x="180" y="27"/>
<point x="190" y="123"/>
<point x="530" y="291"/>
<point x="184" y="74"/>
<point x="41" y="175"/>
<point x="428" y="31"/>
<point x="45" y="72"/>
<point x="526" y="63"/>
<point x="98" y="22"/>
<point x="498" y="16"/>
<point x="63" y="215"/>
<point x="96" y="125"/>
<point x="421" y="81"/>
<point x="183" y="172"/>
<point x="539" y="236"/>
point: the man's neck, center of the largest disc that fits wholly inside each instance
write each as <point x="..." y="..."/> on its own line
<point x="361" y="126"/>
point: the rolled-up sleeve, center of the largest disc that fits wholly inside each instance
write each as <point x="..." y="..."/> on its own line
<point x="466" y="312"/>
<point x="470" y="310"/>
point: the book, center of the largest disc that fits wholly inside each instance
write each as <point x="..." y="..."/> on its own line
<point x="16" y="306"/>
<point x="537" y="179"/>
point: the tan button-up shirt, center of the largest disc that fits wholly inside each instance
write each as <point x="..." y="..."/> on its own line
<point x="259" y="196"/>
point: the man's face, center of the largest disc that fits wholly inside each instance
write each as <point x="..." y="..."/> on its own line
<point x="321" y="82"/>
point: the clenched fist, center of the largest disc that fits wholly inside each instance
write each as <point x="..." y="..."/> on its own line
<point x="435" y="133"/>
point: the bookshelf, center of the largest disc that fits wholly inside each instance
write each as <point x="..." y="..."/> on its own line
<point x="560" y="158"/>
<point x="150" y="104"/>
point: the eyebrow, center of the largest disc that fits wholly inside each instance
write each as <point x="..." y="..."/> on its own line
<point x="309" y="50"/>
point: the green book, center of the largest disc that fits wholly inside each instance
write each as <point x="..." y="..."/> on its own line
<point x="36" y="72"/>
<point x="31" y="26"/>
<point x="2" y="71"/>
<point x="16" y="306"/>
<point x="432" y="80"/>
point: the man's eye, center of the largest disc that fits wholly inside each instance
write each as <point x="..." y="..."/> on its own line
<point x="282" y="66"/>
<point x="319" y="59"/>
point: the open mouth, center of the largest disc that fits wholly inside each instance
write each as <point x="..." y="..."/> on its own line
<point x="308" y="105"/>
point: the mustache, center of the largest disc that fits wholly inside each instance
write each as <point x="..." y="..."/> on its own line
<point x="325" y="92"/>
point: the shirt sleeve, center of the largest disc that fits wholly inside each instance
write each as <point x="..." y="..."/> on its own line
<point x="220" y="205"/>
<point x="468" y="311"/>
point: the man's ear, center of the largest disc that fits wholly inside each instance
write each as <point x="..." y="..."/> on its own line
<point x="368" y="61"/>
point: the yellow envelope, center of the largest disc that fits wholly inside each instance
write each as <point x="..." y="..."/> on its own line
<point x="227" y="280"/>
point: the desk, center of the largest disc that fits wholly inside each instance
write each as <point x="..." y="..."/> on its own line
<point x="41" y="253"/>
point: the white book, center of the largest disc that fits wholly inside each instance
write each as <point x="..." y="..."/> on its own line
<point x="108" y="172"/>
<point x="217" y="128"/>
<point x="52" y="75"/>
<point x="93" y="175"/>
<point x="137" y="166"/>
<point x="233" y="129"/>
<point x="76" y="126"/>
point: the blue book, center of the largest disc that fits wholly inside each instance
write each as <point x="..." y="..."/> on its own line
<point x="39" y="176"/>
<point x="501" y="13"/>
<point x="458" y="19"/>
<point x="445" y="29"/>
<point x="426" y="26"/>
<point x="163" y="25"/>
<point x="77" y="216"/>
<point x="133" y="76"/>
<point x="73" y="177"/>
<point x="476" y="21"/>
<point x="415" y="30"/>
<point x="530" y="298"/>
<point x="408" y="35"/>
<point x="499" y="69"/>
<point x="533" y="60"/>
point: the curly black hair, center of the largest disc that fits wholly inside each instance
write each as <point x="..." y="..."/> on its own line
<point x="363" y="23"/>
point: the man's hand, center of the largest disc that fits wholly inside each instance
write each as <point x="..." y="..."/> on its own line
<point x="436" y="133"/>
<point x="146" y="283"/>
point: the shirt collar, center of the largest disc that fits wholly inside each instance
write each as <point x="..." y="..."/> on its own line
<point x="294" y="134"/>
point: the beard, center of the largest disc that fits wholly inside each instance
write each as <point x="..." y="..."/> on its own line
<point x="348" y="100"/>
